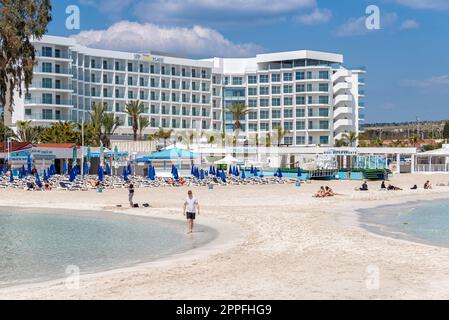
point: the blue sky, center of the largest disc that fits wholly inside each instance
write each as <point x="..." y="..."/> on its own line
<point x="407" y="59"/>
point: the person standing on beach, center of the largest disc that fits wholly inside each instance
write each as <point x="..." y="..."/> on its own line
<point x="131" y="195"/>
<point x="191" y="208"/>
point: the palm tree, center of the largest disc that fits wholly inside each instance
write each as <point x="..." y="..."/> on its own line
<point x="341" y="143"/>
<point x="238" y="110"/>
<point x="6" y="132"/>
<point x="414" y="140"/>
<point x="134" y="109"/>
<point x="110" y="124"/>
<point x="27" y="133"/>
<point x="144" y="123"/>
<point x="102" y="125"/>
<point x="280" y="134"/>
<point x="351" y="138"/>
<point x="164" y="135"/>
<point x="268" y="140"/>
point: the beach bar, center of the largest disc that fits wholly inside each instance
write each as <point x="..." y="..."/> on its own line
<point x="433" y="161"/>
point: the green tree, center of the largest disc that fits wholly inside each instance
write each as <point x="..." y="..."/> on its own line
<point x="60" y="132"/>
<point x="238" y="110"/>
<point x="341" y="143"/>
<point x="134" y="109"/>
<point x="351" y="138"/>
<point x="446" y="130"/>
<point x="101" y="126"/>
<point x="144" y="123"/>
<point x="164" y="135"/>
<point x="6" y="132"/>
<point x="280" y="134"/>
<point x="27" y="133"/>
<point x="20" y="22"/>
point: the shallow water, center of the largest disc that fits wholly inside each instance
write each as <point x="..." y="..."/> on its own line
<point x="421" y="221"/>
<point x="38" y="245"/>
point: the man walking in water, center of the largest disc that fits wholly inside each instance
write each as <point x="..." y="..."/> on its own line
<point x="191" y="208"/>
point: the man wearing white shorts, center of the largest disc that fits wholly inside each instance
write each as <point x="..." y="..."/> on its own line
<point x="191" y="208"/>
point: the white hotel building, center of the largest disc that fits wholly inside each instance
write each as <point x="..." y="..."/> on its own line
<point x="310" y="94"/>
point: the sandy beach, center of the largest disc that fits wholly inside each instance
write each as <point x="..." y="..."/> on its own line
<point x="275" y="242"/>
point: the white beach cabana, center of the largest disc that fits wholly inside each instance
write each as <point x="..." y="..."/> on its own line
<point x="433" y="161"/>
<point x="229" y="161"/>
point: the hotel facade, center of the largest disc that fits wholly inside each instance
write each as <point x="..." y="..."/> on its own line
<point x="309" y="94"/>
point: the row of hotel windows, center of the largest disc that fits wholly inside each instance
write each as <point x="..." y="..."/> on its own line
<point x="287" y="101"/>
<point x="322" y="87"/>
<point x="301" y="140"/>
<point x="276" y="77"/>
<point x="287" y="113"/>
<point x="288" y="125"/>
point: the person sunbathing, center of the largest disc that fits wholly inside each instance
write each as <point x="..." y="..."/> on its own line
<point x="30" y="186"/>
<point x="321" y="193"/>
<point x="329" y="192"/>
<point x="393" y="188"/>
<point x="47" y="186"/>
<point x="364" y="186"/>
<point x="427" y="185"/>
<point x="383" y="186"/>
<point x="415" y="187"/>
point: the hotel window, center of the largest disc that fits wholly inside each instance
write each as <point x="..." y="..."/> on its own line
<point x="47" y="52"/>
<point x="276" y="114"/>
<point x="288" y="101"/>
<point x="47" y="83"/>
<point x="324" y="75"/>
<point x="130" y="95"/>
<point x="300" y="75"/>
<point x="309" y="87"/>
<point x="300" y="113"/>
<point x="300" y="140"/>
<point x="264" y="114"/>
<point x="288" y="140"/>
<point x="117" y="80"/>
<point x="226" y="80"/>
<point x="252" y="91"/>
<point x="324" y="125"/>
<point x="164" y="123"/>
<point x="288" y="126"/>
<point x="300" y="88"/>
<point x="184" y="97"/>
<point x="288" y="77"/>
<point x="276" y="102"/>
<point x="57" y="53"/>
<point x="252" y="103"/>
<point x="117" y="65"/>
<point x="141" y="68"/>
<point x="288" y="113"/>
<point x="264" y="126"/>
<point x="309" y="75"/>
<point x="300" y="125"/>
<point x="105" y="64"/>
<point x="105" y="92"/>
<point x="300" y="100"/>
<point x="193" y="73"/>
<point x="183" y="72"/>
<point x="47" y="114"/>
<point x="252" y="79"/>
<point x="263" y="78"/>
<point x="184" y="85"/>
<point x="323" y="112"/>
<point x="173" y="97"/>
<point x="324" y="139"/>
<point x="252" y="115"/>
<point x="288" y="89"/>
<point x="151" y="69"/>
<point x="264" y="102"/>
<point x="276" y="124"/>
<point x="275" y="77"/>
<point x="152" y="95"/>
<point x="264" y="91"/>
<point x="310" y="112"/>
<point x="310" y="100"/>
<point x="153" y="108"/>
<point x="130" y="67"/>
<point x="203" y="74"/>
<point x="275" y="90"/>
<point x="323" y="100"/>
<point x="47" y="98"/>
<point x="310" y="140"/>
<point x="323" y="87"/>
<point x="153" y="122"/>
<point x="46" y="67"/>
<point x="142" y="82"/>
<point x="28" y="112"/>
<point x="252" y="127"/>
<point x="203" y="87"/>
<point x="237" y="81"/>
<point x="58" y="84"/>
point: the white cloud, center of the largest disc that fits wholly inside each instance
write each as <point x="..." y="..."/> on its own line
<point x="429" y="83"/>
<point x="426" y="4"/>
<point x="135" y="37"/>
<point x="409" y="24"/>
<point x="357" y="26"/>
<point x="113" y="7"/>
<point x="317" y="16"/>
<point x="178" y="11"/>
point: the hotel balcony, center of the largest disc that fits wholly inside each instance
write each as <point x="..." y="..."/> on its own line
<point x="342" y="111"/>
<point x="342" y="86"/>
<point x="340" y="74"/>
<point x="343" y="98"/>
<point x="341" y="123"/>
<point x="54" y="71"/>
<point x="44" y="102"/>
<point x="38" y="116"/>
<point x="39" y="86"/>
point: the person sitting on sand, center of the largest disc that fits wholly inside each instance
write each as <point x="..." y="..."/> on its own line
<point x="47" y="186"/>
<point x="320" y="193"/>
<point x="393" y="188"/>
<point x="30" y="186"/>
<point x="383" y="186"/>
<point x="329" y="192"/>
<point x="427" y="185"/>
<point x="415" y="187"/>
<point x="364" y="186"/>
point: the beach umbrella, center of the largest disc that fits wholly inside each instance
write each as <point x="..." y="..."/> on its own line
<point x="243" y="174"/>
<point x="280" y="173"/>
<point x="251" y="170"/>
<point x="202" y="174"/>
<point x="237" y="173"/>
<point x="5" y="168"/>
<point x="71" y="175"/>
<point x="115" y="153"/>
<point x="23" y="171"/>
<point x="125" y="174"/>
<point x="45" y="175"/>
<point x="256" y="172"/>
<point x="108" y="169"/>
<point x="86" y="168"/>
<point x="299" y="173"/>
<point x="75" y="153"/>
<point x="29" y="164"/>
<point x="1" y="171"/>
<point x="230" y="169"/>
<point x="64" y="168"/>
<point x="129" y="169"/>
<point x="150" y="172"/>
<point x="206" y="173"/>
<point x="88" y="153"/>
<point x="223" y="175"/>
<point x="275" y="174"/>
<point x="175" y="173"/>
<point x="192" y="170"/>
<point x="38" y="180"/>
<point x="100" y="173"/>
